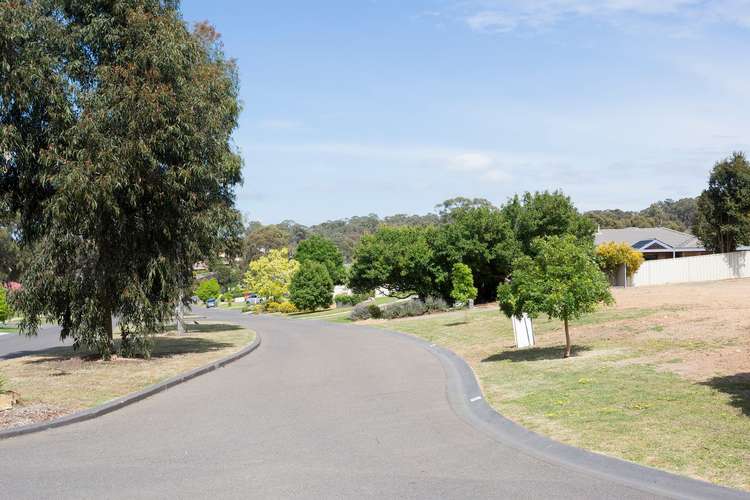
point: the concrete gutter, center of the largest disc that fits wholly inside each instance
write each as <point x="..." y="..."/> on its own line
<point x="118" y="403"/>
<point x="467" y="400"/>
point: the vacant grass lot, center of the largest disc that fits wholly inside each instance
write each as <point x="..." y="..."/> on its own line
<point x="662" y="379"/>
<point x="59" y="381"/>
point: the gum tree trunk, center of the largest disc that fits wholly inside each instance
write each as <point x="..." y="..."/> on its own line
<point x="567" y="340"/>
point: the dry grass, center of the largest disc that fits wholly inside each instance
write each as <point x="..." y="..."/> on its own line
<point x="662" y="378"/>
<point x="60" y="381"/>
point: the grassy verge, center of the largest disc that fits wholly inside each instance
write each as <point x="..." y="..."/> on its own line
<point x="621" y="394"/>
<point x="8" y="329"/>
<point x="60" y="381"/>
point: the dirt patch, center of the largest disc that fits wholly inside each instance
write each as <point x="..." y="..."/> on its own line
<point x="30" y="414"/>
<point x="698" y="330"/>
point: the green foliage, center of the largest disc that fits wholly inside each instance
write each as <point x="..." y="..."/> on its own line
<point x="277" y="307"/>
<point x="353" y="299"/>
<point x="208" y="289"/>
<point x="117" y="127"/>
<point x="562" y="281"/>
<point x="480" y="237"/>
<point x="270" y="275"/>
<point x="399" y="259"/>
<point x="463" y="284"/>
<point x="5" y="312"/>
<point x="319" y="249"/>
<point x="311" y="287"/>
<point x="544" y="214"/>
<point x="10" y="256"/>
<point x="375" y="311"/>
<point x="723" y="220"/>
<point x="227" y="273"/>
<point x="611" y="256"/>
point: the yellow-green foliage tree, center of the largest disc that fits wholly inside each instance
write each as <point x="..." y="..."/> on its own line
<point x="269" y="276"/>
<point x="612" y="255"/>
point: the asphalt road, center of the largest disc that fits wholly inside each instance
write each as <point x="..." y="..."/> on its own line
<point x="318" y="411"/>
<point x="13" y="345"/>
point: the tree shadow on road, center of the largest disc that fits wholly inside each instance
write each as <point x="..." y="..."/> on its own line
<point x="534" y="354"/>
<point x="165" y="346"/>
<point x="738" y="388"/>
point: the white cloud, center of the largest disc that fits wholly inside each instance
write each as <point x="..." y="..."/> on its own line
<point x="509" y="15"/>
<point x="471" y="162"/>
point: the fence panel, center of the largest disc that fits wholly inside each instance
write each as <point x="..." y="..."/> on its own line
<point x="690" y="269"/>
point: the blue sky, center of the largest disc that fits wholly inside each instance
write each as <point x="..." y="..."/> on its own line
<point x="391" y="106"/>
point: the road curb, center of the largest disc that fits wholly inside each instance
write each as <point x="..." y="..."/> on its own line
<point x="124" y="401"/>
<point x="467" y="400"/>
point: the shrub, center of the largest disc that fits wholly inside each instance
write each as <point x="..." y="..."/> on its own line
<point x="612" y="255"/>
<point x="344" y="299"/>
<point x="360" y="312"/>
<point x="311" y="287"/>
<point x="375" y="311"/>
<point x="286" y="308"/>
<point x="404" y="309"/>
<point x="435" y="304"/>
<point x="277" y="307"/>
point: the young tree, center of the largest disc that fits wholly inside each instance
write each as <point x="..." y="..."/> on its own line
<point x="723" y="218"/>
<point x="463" y="284"/>
<point x="270" y="276"/>
<point x="611" y="256"/>
<point x="311" y="287"/>
<point x="322" y="250"/>
<point x="562" y="281"/>
<point x="208" y="289"/>
<point x="117" y="156"/>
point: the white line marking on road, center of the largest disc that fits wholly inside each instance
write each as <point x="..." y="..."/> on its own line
<point x="472" y="400"/>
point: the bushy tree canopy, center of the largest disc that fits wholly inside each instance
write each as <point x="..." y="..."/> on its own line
<point x="208" y="289"/>
<point x="480" y="237"/>
<point x="540" y="214"/>
<point x="611" y="256"/>
<point x="321" y="250"/>
<point x="270" y="275"/>
<point x="311" y="287"/>
<point x="723" y="220"/>
<point x="562" y="280"/>
<point x="398" y="259"/>
<point x="116" y="126"/>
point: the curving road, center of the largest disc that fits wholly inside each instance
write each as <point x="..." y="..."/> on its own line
<point x="318" y="411"/>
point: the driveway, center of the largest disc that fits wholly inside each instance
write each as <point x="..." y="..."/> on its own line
<point x="318" y="411"/>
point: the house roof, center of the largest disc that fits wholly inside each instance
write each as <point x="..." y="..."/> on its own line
<point x="649" y="238"/>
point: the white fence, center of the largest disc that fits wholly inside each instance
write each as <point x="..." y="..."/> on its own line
<point x="689" y="269"/>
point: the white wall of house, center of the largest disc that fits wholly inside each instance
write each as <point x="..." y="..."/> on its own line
<point x="691" y="269"/>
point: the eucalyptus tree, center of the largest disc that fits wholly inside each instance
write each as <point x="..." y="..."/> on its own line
<point x="116" y="157"/>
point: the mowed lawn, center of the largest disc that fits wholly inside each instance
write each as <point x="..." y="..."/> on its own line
<point x="662" y="378"/>
<point x="60" y="381"/>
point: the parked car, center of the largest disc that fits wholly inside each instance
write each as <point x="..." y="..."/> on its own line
<point x="211" y="303"/>
<point x="252" y="299"/>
